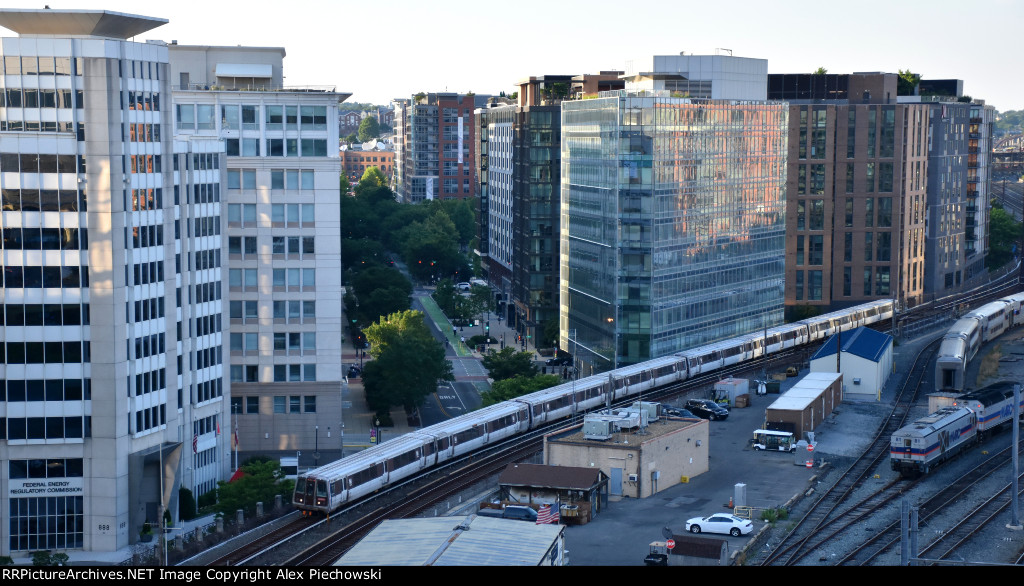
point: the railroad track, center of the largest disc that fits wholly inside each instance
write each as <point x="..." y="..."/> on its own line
<point x="885" y="540"/>
<point x="817" y="523"/>
<point x="334" y="546"/>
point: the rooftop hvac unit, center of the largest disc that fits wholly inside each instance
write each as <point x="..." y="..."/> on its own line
<point x="650" y="409"/>
<point x="598" y="427"/>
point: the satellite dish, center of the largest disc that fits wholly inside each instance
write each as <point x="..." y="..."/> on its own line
<point x="666" y="533"/>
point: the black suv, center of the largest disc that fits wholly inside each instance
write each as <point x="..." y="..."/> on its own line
<point x="707" y="409"/>
<point x="676" y="412"/>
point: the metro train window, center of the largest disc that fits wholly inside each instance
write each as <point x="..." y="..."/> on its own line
<point x="468" y="435"/>
<point x="403" y="459"/>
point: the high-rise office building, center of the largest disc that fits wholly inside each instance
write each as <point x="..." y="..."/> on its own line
<point x="672" y="228"/>
<point x="283" y="234"/>
<point x="112" y="374"/>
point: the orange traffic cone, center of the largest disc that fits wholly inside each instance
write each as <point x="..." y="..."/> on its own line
<point x="730" y="502"/>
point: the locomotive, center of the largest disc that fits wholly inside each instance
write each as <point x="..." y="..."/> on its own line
<point x="919" y="447"/>
<point x="328" y="487"/>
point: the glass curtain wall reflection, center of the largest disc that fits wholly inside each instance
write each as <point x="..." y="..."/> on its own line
<point x="672" y="223"/>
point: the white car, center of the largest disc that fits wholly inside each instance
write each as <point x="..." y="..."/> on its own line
<point x="720" y="523"/>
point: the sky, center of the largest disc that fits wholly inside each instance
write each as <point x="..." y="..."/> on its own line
<point x="378" y="51"/>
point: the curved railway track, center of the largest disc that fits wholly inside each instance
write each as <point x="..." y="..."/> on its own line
<point x="824" y="512"/>
<point x="884" y="540"/>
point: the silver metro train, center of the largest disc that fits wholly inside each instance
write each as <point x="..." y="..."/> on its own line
<point x="961" y="342"/>
<point x="327" y="488"/>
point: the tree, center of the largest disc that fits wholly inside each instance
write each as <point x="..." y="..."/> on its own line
<point x="372" y="177"/>
<point x="407" y="363"/>
<point x="380" y="291"/>
<point x="550" y="335"/>
<point x="343" y="185"/>
<point x="820" y="71"/>
<point x="369" y="129"/>
<point x="1004" y="237"/>
<point x="509" y="363"/>
<point x="261" y="480"/>
<point x="352" y="138"/>
<point x="480" y="299"/>
<point x="445" y="295"/>
<point x="907" y="82"/>
<point x="510" y="388"/>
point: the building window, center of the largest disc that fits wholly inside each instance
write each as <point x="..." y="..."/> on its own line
<point x="279" y="404"/>
<point x="309" y="403"/>
<point x="294" y="404"/>
<point x="252" y="405"/>
<point x="814" y="285"/>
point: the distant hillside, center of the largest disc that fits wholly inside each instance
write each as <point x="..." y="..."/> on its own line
<point x="1012" y="120"/>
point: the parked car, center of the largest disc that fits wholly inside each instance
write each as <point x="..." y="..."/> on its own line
<point x="558" y="361"/>
<point x="720" y="523"/>
<point x="464" y="287"/>
<point x="706" y="409"/>
<point x="511" y="512"/>
<point x="677" y="412"/>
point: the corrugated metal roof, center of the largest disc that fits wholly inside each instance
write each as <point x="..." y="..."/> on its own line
<point x="541" y="476"/>
<point x="454" y="541"/>
<point x="863" y="342"/>
<point x="804" y="391"/>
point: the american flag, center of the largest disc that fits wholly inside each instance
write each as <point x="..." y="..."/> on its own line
<point x="547" y="514"/>
<point x="195" y="443"/>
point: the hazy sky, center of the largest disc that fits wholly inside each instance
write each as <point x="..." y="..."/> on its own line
<point x="383" y="50"/>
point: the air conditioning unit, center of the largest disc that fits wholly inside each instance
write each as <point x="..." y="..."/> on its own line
<point x="856" y="381"/>
<point x="633" y="477"/>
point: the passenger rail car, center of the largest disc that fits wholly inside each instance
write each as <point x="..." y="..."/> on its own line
<point x="993" y="319"/>
<point x="958" y="348"/>
<point x="992" y="404"/>
<point x="962" y="341"/>
<point x="327" y="488"/>
<point x="917" y="448"/>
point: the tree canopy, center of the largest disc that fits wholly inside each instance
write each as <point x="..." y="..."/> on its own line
<point x="907" y="83"/>
<point x="261" y="481"/>
<point x="369" y="129"/>
<point x="509" y="363"/>
<point x="407" y="363"/>
<point x="380" y="291"/>
<point x="510" y="388"/>
<point x="1004" y="237"/>
<point x="820" y="71"/>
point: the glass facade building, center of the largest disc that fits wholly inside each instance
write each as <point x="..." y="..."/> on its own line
<point x="672" y="231"/>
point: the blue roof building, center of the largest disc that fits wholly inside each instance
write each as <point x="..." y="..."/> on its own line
<point x="865" y="361"/>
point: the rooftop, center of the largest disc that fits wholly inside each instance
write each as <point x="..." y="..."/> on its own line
<point x="77" y="23"/>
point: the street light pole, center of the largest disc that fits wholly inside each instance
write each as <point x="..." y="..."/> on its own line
<point x="316" y="447"/>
